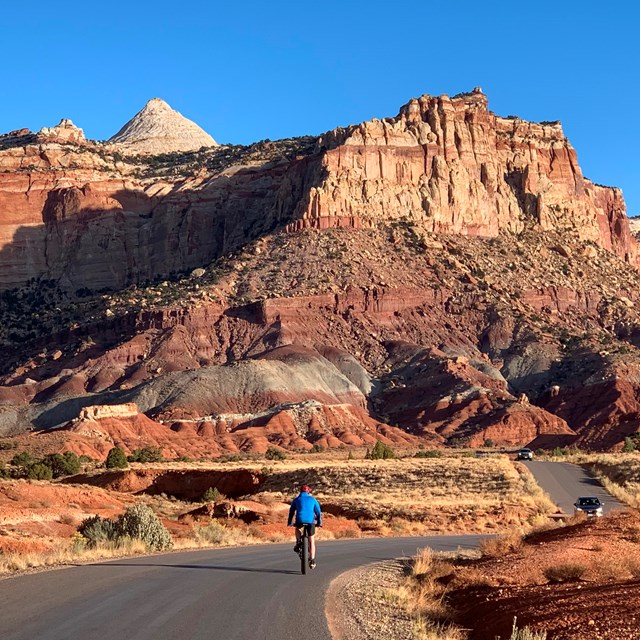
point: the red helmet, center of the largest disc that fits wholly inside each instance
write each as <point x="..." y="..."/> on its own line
<point x="305" y="488"/>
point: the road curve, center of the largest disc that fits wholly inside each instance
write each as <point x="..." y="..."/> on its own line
<point x="248" y="593"/>
<point x="565" y="482"/>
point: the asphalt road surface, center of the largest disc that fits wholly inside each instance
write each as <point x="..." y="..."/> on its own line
<point x="565" y="482"/>
<point x="249" y="593"/>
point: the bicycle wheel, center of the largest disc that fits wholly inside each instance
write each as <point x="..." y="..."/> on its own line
<point x="304" y="552"/>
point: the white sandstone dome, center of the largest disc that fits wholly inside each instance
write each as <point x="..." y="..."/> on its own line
<point x="157" y="128"/>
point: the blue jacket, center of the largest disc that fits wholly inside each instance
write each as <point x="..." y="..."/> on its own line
<point x="306" y="510"/>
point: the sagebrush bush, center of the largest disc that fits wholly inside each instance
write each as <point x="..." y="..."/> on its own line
<point x="567" y="572"/>
<point x="213" y="533"/>
<point x="98" y="530"/>
<point x="141" y="523"/>
<point x="526" y="633"/>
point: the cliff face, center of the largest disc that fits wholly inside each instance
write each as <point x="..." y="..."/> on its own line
<point x="453" y="166"/>
<point x="470" y="286"/>
<point x="86" y="216"/>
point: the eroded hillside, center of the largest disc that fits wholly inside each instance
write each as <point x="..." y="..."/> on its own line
<point x="446" y="276"/>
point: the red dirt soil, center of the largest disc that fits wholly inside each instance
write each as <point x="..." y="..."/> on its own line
<point x="603" y="603"/>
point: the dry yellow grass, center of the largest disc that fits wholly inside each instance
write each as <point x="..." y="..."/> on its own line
<point x="501" y="545"/>
<point x="422" y="596"/>
<point x="388" y="497"/>
<point x="68" y="552"/>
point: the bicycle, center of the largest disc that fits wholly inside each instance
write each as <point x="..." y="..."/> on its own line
<point x="303" y="552"/>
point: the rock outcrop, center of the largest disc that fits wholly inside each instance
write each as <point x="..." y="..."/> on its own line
<point x="64" y="132"/>
<point x="91" y="219"/>
<point x="158" y="128"/>
<point x="465" y="269"/>
<point x="452" y="166"/>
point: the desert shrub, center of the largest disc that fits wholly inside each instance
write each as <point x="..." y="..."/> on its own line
<point x="97" y="530"/>
<point x="8" y="445"/>
<point x="66" y="518"/>
<point x="559" y="452"/>
<point x="213" y="533"/>
<point x="116" y="459"/>
<point x="316" y="448"/>
<point x="489" y="443"/>
<point x="146" y="454"/>
<point x="501" y="545"/>
<point x="380" y="451"/>
<point x="526" y="633"/>
<point x="429" y="453"/>
<point x="141" y="523"/>
<point x="39" y="471"/>
<point x="273" y="453"/>
<point x="85" y="459"/>
<point x="567" y="572"/>
<point x="350" y="456"/>
<point x="212" y="495"/>
<point x="22" y="459"/>
<point x="66" y="464"/>
<point x="629" y="446"/>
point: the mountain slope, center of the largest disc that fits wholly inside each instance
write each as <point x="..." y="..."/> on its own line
<point x="447" y="273"/>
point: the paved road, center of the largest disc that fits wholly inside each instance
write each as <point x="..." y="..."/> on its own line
<point x="565" y="482"/>
<point x="250" y="593"/>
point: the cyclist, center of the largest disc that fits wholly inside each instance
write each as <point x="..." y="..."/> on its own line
<point x="305" y="511"/>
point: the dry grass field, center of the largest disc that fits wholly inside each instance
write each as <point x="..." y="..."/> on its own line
<point x="407" y="496"/>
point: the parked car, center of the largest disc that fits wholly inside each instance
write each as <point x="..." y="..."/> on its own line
<point x="525" y="454"/>
<point x="589" y="505"/>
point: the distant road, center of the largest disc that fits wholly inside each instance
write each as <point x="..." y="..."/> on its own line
<point x="249" y="593"/>
<point x="565" y="482"/>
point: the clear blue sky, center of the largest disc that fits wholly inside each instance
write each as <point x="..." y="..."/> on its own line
<point x="246" y="70"/>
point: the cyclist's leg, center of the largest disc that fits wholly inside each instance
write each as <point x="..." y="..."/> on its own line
<point x="311" y="530"/>
<point x="298" y="537"/>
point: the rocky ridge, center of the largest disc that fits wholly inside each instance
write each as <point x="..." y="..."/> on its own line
<point x="504" y="312"/>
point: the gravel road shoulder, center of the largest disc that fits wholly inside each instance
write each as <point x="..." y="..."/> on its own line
<point x="360" y="604"/>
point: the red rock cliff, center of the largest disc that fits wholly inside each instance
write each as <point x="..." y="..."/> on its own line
<point x="83" y="215"/>
<point x="455" y="167"/>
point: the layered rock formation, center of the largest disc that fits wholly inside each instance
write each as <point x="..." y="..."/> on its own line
<point x="447" y="164"/>
<point x="452" y="166"/>
<point x="157" y="128"/>
<point x="64" y="132"/>
<point x="468" y="282"/>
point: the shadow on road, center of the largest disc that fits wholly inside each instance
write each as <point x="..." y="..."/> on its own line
<point x="196" y="566"/>
<point x="591" y="481"/>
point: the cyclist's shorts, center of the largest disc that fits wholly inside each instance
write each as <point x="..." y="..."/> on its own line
<point x="311" y="528"/>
